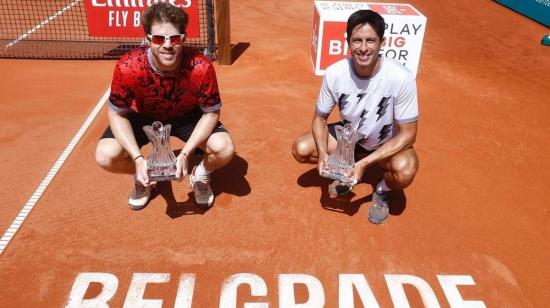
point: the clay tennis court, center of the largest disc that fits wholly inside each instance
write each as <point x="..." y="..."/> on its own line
<point x="476" y="217"/>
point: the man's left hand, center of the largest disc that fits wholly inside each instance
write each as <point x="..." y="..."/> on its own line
<point x="357" y="171"/>
<point x="181" y="166"/>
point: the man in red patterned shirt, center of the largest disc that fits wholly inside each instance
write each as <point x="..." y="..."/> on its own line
<point x="167" y="82"/>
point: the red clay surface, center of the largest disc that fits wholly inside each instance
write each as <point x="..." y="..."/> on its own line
<point x="478" y="206"/>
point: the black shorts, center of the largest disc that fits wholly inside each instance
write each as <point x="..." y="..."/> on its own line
<point x="359" y="152"/>
<point x="181" y="127"/>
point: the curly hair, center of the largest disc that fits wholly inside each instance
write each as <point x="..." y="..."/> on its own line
<point x="164" y="12"/>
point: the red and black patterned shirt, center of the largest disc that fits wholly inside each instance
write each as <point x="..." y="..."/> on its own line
<point x="138" y="86"/>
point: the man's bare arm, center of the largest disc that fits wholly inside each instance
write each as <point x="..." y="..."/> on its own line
<point x="404" y="139"/>
<point x="319" y="131"/>
<point x="200" y="135"/>
<point x="202" y="131"/>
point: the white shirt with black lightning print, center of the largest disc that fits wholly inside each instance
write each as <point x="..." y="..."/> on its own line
<point x="372" y="105"/>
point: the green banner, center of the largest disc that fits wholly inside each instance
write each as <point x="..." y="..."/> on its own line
<point x="538" y="10"/>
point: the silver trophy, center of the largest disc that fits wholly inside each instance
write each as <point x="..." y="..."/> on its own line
<point x="341" y="161"/>
<point x="161" y="164"/>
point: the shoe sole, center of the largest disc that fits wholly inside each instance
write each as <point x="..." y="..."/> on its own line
<point x="137" y="207"/>
<point x="203" y="205"/>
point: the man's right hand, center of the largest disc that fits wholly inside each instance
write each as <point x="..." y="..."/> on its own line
<point x="322" y="163"/>
<point x="141" y="172"/>
<point x="181" y="165"/>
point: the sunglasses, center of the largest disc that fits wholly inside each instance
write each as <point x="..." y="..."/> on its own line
<point x="158" y="39"/>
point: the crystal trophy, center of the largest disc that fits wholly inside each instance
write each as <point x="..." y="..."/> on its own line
<point x="342" y="160"/>
<point x="161" y="164"/>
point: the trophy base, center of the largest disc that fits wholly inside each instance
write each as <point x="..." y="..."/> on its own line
<point x="161" y="171"/>
<point x="338" y="176"/>
<point x="162" y="177"/>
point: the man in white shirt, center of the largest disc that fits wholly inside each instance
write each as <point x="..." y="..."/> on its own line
<point x="377" y="96"/>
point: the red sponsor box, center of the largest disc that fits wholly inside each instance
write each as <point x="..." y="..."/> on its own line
<point x="121" y="18"/>
<point x="404" y="32"/>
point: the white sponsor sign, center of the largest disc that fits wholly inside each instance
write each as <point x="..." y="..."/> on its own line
<point x="404" y="32"/>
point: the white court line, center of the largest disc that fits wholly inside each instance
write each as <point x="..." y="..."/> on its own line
<point x="18" y="221"/>
<point x="43" y="23"/>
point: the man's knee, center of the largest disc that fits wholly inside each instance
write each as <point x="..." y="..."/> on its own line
<point x="221" y="146"/>
<point x="228" y="149"/>
<point x="301" y="151"/>
<point x="108" y="156"/>
<point x="102" y="157"/>
<point x="405" y="170"/>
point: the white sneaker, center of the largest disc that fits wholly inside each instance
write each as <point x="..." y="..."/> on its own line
<point x="204" y="196"/>
<point x="140" y="196"/>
